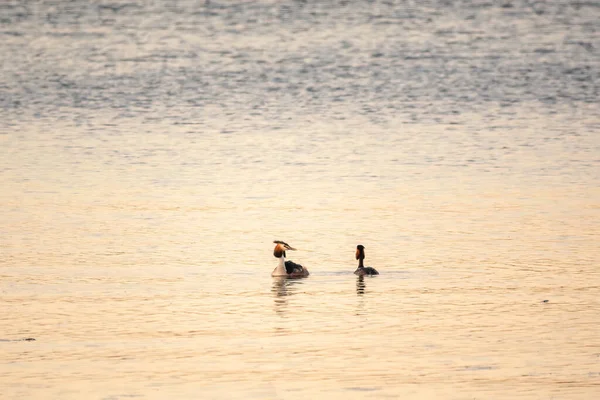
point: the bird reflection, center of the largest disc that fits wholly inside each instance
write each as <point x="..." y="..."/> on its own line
<point x="282" y="288"/>
<point x="360" y="285"/>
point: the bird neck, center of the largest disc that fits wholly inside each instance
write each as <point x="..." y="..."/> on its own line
<point x="360" y="262"/>
<point x="280" y="269"/>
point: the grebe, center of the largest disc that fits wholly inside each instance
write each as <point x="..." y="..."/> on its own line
<point x="362" y="270"/>
<point x="286" y="268"/>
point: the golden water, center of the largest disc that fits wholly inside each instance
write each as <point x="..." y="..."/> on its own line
<point x="150" y="154"/>
<point x="132" y="288"/>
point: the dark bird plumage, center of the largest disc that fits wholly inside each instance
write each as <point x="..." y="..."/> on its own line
<point x="293" y="268"/>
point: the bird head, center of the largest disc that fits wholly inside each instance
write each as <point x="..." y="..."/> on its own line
<point x="360" y="251"/>
<point x="280" y="248"/>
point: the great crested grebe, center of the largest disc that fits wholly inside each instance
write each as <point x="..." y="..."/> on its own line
<point x="362" y="270"/>
<point x="286" y="268"/>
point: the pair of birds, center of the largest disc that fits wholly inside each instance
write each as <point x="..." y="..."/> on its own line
<point x="292" y="270"/>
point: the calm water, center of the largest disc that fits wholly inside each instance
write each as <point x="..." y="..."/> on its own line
<point x="152" y="151"/>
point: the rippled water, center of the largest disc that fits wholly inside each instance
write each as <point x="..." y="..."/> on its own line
<point x="152" y="151"/>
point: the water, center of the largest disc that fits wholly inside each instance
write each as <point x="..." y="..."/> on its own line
<point x="152" y="151"/>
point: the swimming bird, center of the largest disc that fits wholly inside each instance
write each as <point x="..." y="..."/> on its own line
<point x="362" y="270"/>
<point x="286" y="268"/>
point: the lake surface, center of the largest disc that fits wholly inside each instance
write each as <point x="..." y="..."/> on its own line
<point x="150" y="152"/>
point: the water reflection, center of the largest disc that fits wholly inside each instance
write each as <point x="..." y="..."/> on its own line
<point x="360" y="285"/>
<point x="282" y="288"/>
<point x="360" y="291"/>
